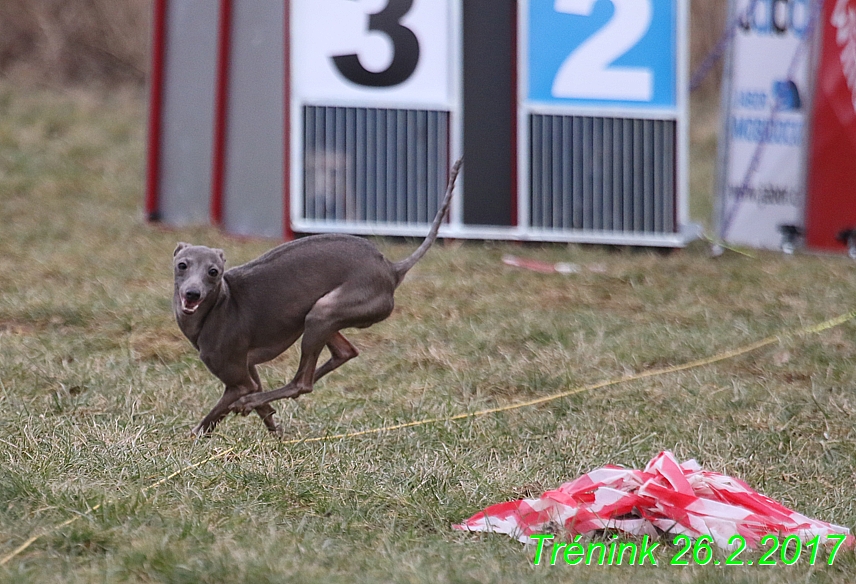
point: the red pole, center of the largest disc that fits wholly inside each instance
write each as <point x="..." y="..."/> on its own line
<point x="155" y="110"/>
<point x="218" y="170"/>
<point x="287" y="231"/>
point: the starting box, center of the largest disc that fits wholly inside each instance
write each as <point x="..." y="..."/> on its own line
<point x="275" y="117"/>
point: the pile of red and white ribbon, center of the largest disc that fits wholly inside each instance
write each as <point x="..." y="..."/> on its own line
<point x="665" y="497"/>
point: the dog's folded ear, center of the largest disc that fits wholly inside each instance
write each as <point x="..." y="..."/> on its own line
<point x="181" y="245"/>
<point x="222" y="255"/>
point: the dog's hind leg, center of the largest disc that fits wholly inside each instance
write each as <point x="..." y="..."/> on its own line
<point x="333" y="312"/>
<point x="341" y="351"/>
<point x="266" y="411"/>
<point x="310" y="350"/>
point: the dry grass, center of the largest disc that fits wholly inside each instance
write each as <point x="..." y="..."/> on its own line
<point x="99" y="390"/>
<point x="79" y="41"/>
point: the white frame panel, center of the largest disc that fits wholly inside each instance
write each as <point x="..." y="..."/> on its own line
<point x="455" y="228"/>
<point x="454" y="106"/>
<point x="679" y="113"/>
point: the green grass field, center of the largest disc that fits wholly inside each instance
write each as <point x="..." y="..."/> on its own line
<point x="99" y="390"/>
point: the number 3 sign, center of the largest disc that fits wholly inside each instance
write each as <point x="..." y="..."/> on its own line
<point x="354" y="50"/>
<point x="602" y="52"/>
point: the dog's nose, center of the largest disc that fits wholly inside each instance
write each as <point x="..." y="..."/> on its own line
<point x="192" y="295"/>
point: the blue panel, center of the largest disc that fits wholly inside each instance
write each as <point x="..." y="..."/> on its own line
<point x="615" y="53"/>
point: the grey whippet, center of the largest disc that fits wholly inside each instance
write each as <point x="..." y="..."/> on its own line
<point x="250" y="314"/>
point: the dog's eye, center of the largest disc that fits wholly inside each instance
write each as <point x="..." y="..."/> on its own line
<point x="213" y="272"/>
<point x="182" y="266"/>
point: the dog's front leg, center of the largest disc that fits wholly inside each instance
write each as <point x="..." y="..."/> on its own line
<point x="219" y="411"/>
<point x="229" y="363"/>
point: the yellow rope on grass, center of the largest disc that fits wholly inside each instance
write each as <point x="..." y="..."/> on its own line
<point x="59" y="526"/>
<point x="724" y="356"/>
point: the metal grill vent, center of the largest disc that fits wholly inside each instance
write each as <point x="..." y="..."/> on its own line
<point x="368" y="165"/>
<point x="602" y="174"/>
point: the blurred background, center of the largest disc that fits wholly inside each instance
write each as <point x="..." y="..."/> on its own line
<point x="105" y="42"/>
<point x="60" y="42"/>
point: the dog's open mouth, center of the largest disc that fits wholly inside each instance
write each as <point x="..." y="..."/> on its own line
<point x="188" y="307"/>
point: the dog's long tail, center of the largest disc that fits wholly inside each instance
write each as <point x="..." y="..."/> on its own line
<point x="401" y="268"/>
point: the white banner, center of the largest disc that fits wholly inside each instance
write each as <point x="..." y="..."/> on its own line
<point x="366" y="51"/>
<point x="762" y="163"/>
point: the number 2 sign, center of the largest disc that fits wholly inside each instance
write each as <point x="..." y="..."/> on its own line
<point x="353" y="50"/>
<point x="602" y="52"/>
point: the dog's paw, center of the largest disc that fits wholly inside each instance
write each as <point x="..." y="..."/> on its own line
<point x="199" y="432"/>
<point x="244" y="406"/>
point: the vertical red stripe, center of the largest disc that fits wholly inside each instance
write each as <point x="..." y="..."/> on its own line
<point x="218" y="170"/>
<point x="287" y="231"/>
<point x="155" y="110"/>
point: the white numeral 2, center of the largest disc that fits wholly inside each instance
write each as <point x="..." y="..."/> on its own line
<point x="586" y="73"/>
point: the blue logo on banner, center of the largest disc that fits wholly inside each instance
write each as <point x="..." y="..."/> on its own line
<point x="616" y="53"/>
<point x="787" y="95"/>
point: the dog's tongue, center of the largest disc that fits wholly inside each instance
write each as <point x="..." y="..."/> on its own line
<point x="188" y="307"/>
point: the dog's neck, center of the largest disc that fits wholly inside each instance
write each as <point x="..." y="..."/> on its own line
<point x="192" y="324"/>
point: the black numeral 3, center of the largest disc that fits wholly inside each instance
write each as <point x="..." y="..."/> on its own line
<point x="405" y="54"/>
